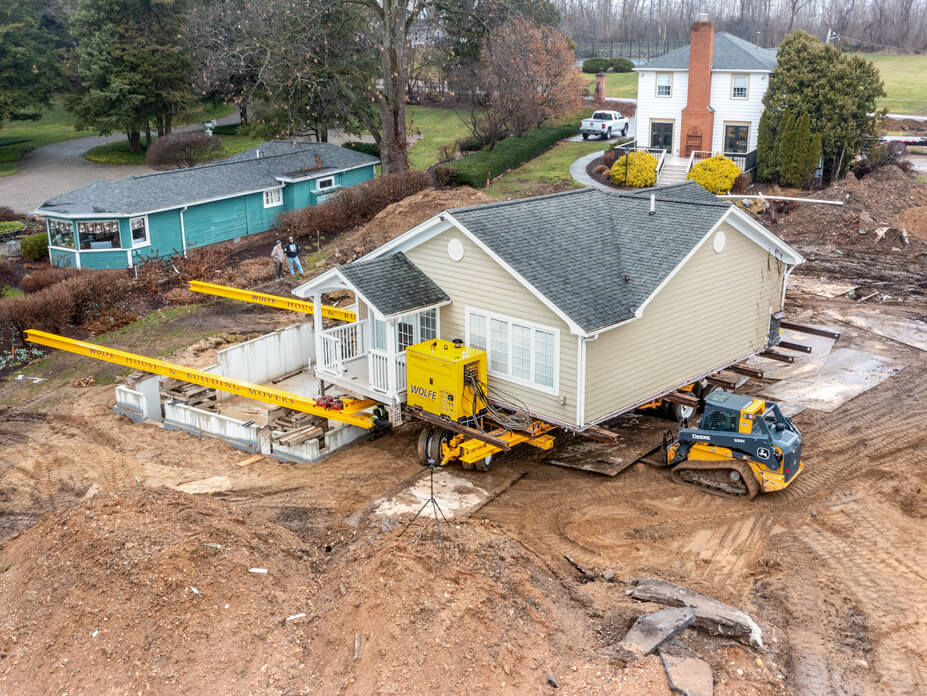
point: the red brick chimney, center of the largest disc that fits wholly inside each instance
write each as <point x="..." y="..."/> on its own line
<point x="697" y="118"/>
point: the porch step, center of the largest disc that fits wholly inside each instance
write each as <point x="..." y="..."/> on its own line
<point x="672" y="174"/>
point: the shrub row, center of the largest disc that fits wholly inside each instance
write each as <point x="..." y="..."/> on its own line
<point x="597" y="65"/>
<point x="42" y="278"/>
<point x="367" y="148"/>
<point x="35" y="247"/>
<point x="474" y="170"/>
<point x="71" y="301"/>
<point x="352" y="206"/>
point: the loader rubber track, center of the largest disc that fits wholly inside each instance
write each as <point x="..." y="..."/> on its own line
<point x="715" y="477"/>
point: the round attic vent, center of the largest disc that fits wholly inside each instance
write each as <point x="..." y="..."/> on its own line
<point x="718" y="242"/>
<point x="455" y="249"/>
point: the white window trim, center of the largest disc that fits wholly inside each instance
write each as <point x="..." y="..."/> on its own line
<point x="656" y="85"/>
<point x="319" y="184"/>
<point x="95" y="251"/>
<point x="746" y="96"/>
<point x="530" y="384"/>
<point x="279" y="202"/>
<point x="147" y="242"/>
<point x="48" y="222"/>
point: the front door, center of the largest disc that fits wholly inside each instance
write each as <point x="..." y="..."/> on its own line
<point x="661" y="135"/>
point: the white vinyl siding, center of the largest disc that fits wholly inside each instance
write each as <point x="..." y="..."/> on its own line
<point x="480" y="283"/>
<point x="653" y="108"/>
<point x="668" y="344"/>
<point x="736" y="111"/>
<point x="518" y="351"/>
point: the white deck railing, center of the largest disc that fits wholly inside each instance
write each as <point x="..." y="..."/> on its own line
<point x="340" y="344"/>
<point x="378" y="371"/>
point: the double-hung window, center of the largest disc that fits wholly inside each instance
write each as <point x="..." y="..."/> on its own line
<point x="664" y="84"/>
<point x="739" y="86"/>
<point x="273" y="197"/>
<point x="139" y="228"/>
<point x="518" y="351"/>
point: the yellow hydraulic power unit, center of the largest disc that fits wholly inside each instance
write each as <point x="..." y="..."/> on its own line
<point x="443" y="378"/>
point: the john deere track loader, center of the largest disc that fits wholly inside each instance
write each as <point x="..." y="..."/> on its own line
<point x="743" y="446"/>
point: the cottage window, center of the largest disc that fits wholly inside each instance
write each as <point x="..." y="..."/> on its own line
<point x="379" y="334"/>
<point x="326" y="183"/>
<point x="61" y="233"/>
<point x="664" y="84"/>
<point x="739" y="85"/>
<point x="97" y="235"/>
<point x="139" y="228"/>
<point x="406" y="334"/>
<point x="519" y="351"/>
<point x="273" y="197"/>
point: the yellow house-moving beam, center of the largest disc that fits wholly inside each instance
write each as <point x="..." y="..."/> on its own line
<point x="351" y="413"/>
<point x="270" y="300"/>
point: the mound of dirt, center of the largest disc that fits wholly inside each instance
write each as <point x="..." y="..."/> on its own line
<point x="400" y="217"/>
<point x="152" y="591"/>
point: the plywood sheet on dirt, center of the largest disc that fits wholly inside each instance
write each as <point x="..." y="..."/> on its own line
<point x="911" y="332"/>
<point x="637" y="435"/>
<point x="806" y="366"/>
<point x="821" y="288"/>
<point x="846" y="374"/>
<point x="459" y="493"/>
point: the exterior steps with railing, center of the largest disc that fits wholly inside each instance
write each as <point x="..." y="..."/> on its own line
<point x="672" y="173"/>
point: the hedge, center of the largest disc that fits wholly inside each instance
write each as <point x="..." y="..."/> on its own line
<point x="367" y="148"/>
<point x="621" y="65"/>
<point x="474" y="170"/>
<point x="641" y="170"/>
<point x="716" y="174"/>
<point x="35" y="247"/>
<point x="595" y="65"/>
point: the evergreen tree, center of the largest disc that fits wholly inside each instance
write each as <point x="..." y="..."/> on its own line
<point x="814" y="156"/>
<point x="766" y="165"/>
<point x="794" y="169"/>
<point x="785" y="144"/>
<point x="132" y="65"/>
<point x="839" y="92"/>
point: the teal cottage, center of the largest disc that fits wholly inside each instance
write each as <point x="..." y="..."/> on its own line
<point x="117" y="224"/>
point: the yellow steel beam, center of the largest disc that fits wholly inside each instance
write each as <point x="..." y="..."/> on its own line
<point x="351" y="413"/>
<point x="277" y="301"/>
<point x="472" y="450"/>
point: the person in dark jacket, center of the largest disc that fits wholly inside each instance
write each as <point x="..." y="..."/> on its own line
<point x="292" y="256"/>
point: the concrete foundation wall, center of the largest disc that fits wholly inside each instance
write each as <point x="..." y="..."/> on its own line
<point x="267" y="357"/>
<point x="208" y="424"/>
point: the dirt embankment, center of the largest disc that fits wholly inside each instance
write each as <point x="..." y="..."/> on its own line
<point x="155" y="591"/>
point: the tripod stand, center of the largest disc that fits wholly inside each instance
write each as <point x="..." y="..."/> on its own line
<point x="435" y="508"/>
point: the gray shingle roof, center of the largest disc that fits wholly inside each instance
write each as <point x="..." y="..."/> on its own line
<point x="577" y="247"/>
<point x="393" y="284"/>
<point x="730" y="53"/>
<point x="240" y="173"/>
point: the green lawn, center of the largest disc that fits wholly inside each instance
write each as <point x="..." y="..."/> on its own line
<point x="438" y="127"/>
<point x="119" y="153"/>
<point x="57" y="124"/>
<point x="905" y="82"/>
<point x="546" y="173"/>
<point x="616" y="84"/>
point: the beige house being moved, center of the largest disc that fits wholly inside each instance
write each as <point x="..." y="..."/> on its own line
<point x="588" y="303"/>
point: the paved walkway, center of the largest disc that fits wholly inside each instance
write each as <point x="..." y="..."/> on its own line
<point x="578" y="172"/>
<point x="57" y="168"/>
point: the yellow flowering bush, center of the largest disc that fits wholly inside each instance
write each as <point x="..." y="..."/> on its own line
<point x="716" y="174"/>
<point x="641" y="170"/>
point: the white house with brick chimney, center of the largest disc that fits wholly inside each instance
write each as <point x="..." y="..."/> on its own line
<point x="704" y="98"/>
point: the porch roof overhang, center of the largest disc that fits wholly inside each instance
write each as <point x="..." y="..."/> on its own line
<point x="392" y="285"/>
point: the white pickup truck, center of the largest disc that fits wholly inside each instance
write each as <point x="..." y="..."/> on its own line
<point x="605" y="124"/>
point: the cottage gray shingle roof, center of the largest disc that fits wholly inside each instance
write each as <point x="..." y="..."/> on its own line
<point x="730" y="53"/>
<point x="241" y="173"/>
<point x="576" y="248"/>
<point x="393" y="284"/>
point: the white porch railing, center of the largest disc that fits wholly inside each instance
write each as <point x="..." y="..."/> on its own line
<point x="378" y="370"/>
<point x="340" y="344"/>
<point x="746" y="161"/>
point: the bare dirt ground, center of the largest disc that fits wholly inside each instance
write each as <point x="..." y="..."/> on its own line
<point x="104" y="554"/>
